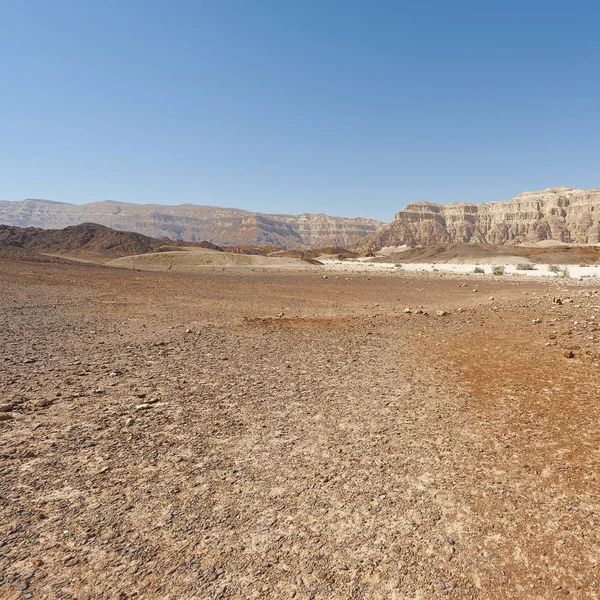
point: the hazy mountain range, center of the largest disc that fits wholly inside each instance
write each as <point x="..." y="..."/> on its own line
<point x="195" y="223"/>
<point x="562" y="214"/>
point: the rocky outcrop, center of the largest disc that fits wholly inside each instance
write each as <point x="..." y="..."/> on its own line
<point x="561" y="214"/>
<point x="190" y="222"/>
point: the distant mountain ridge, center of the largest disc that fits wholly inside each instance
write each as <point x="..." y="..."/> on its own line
<point x="561" y="214"/>
<point x="194" y="223"/>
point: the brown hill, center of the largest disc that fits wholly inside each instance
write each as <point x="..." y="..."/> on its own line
<point x="495" y="254"/>
<point x="88" y="239"/>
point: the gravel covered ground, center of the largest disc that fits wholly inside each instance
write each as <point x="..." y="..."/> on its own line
<point x="250" y="434"/>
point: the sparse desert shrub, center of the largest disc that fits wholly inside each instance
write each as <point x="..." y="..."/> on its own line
<point x="583" y="265"/>
<point x="525" y="267"/>
<point x="398" y="266"/>
<point x="498" y="270"/>
<point x="478" y="270"/>
<point x="560" y="271"/>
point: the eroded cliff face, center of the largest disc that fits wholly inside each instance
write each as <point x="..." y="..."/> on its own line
<point x="561" y="214"/>
<point x="190" y="222"/>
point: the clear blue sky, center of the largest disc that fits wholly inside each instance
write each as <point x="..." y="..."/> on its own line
<point x="337" y="106"/>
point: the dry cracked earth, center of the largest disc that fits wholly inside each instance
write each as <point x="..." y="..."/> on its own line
<point x="243" y="434"/>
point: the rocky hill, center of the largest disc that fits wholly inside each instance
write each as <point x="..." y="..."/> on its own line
<point x="88" y="238"/>
<point x="561" y="214"/>
<point x="190" y="222"/>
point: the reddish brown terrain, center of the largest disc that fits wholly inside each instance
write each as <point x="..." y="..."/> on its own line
<point x="275" y="434"/>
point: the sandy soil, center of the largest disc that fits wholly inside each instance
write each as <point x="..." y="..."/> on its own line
<point x="240" y="434"/>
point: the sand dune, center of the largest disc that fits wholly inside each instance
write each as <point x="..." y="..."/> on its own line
<point x="195" y="258"/>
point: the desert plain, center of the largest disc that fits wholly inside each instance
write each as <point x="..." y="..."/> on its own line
<point x="302" y="433"/>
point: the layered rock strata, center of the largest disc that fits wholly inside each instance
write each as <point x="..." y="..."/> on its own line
<point x="561" y="214"/>
<point x="194" y="223"/>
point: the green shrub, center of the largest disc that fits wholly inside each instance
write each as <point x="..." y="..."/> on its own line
<point x="498" y="270"/>
<point x="525" y="267"/>
<point x="478" y="270"/>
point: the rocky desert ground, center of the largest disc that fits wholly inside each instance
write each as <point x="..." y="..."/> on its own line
<point x="252" y="433"/>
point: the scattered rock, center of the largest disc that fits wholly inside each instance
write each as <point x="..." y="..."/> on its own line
<point x="569" y="354"/>
<point x="44" y="403"/>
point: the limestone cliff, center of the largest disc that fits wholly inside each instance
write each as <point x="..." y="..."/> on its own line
<point x="191" y="222"/>
<point x="561" y="214"/>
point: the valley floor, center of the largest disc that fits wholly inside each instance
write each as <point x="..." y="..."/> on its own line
<point x="241" y="434"/>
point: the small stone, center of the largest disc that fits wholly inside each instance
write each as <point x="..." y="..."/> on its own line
<point x="6" y="407"/>
<point x="475" y="290"/>
<point x="407" y="311"/>
<point x="143" y="406"/>
<point x="569" y="354"/>
<point x="4" y="416"/>
<point x="441" y="313"/>
<point x="129" y="421"/>
<point x="71" y="561"/>
<point x="536" y="321"/>
<point x="44" y="403"/>
<point x="29" y="361"/>
<point x="396" y="548"/>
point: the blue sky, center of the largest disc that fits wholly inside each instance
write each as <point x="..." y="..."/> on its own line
<point x="344" y="107"/>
